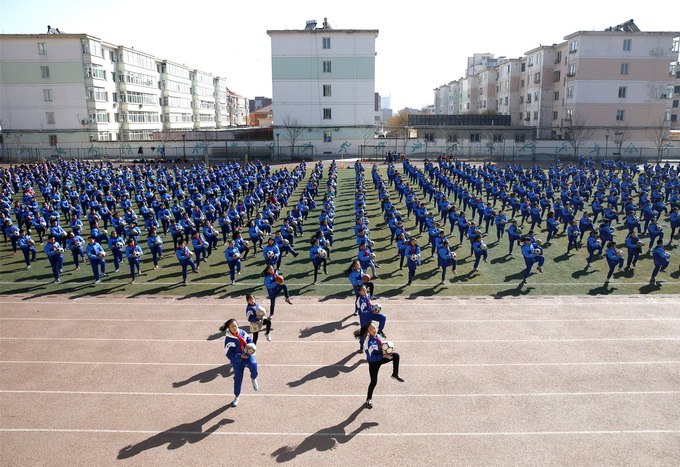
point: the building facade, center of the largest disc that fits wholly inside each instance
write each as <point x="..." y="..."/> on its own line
<point x="323" y="84"/>
<point x="69" y="89"/>
<point x="616" y="85"/>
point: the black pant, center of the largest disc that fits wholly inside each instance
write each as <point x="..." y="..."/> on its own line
<point x="374" y="368"/>
<point x="267" y="328"/>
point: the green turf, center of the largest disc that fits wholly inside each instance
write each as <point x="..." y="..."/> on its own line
<point x="500" y="277"/>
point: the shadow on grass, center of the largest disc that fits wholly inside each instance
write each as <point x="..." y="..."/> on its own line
<point x="501" y="260"/>
<point x="562" y="257"/>
<point x="518" y="291"/>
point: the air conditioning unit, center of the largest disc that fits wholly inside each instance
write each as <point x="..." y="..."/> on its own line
<point x="84" y="121"/>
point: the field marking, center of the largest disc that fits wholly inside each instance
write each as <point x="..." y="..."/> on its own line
<point x="326" y="342"/>
<point x="454" y="395"/>
<point x="283" y="321"/>
<point x="294" y="365"/>
<point x="344" y="285"/>
<point x="364" y="434"/>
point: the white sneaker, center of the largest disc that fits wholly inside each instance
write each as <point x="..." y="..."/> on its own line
<point x="256" y="386"/>
<point x="269" y="337"/>
<point x="234" y="403"/>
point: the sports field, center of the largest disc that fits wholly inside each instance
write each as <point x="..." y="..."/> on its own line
<point x="565" y="274"/>
<point x="124" y="380"/>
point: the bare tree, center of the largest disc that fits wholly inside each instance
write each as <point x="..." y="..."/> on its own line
<point x="658" y="133"/>
<point x="293" y="129"/>
<point x="367" y="134"/>
<point x="494" y="136"/>
<point x="577" y="132"/>
<point x="621" y="135"/>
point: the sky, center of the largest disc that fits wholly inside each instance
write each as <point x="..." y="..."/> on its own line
<point x="420" y="45"/>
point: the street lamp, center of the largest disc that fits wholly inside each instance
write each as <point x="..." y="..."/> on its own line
<point x="278" y="146"/>
<point x="184" y="145"/>
<point x="606" y="144"/>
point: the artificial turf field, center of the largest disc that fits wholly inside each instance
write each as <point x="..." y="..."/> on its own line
<point x="565" y="274"/>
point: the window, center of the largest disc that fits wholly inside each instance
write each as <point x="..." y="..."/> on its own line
<point x="49" y="116"/>
<point x="326" y="114"/>
<point x="555" y="115"/>
<point x="674" y="118"/>
<point x="42" y="48"/>
<point x="524" y="66"/>
<point x="535" y="114"/>
<point x="569" y="114"/>
<point x="47" y="95"/>
<point x="619" y="115"/>
<point x="327" y="67"/>
<point x="675" y="103"/>
<point x="44" y="72"/>
<point x="521" y="83"/>
<point x="558" y="57"/>
<point x="531" y="61"/>
<point x="52" y="140"/>
<point x="97" y="94"/>
<point x="572" y="70"/>
<point x="624" y="68"/>
<point x="623" y="91"/>
<point x="505" y="100"/>
<point x="95" y="71"/>
<point x="497" y="138"/>
<point x="557" y="76"/>
<point x="570" y="92"/>
<point x="520" y="138"/>
<point x="556" y="95"/>
<point x="529" y="98"/>
<point x="475" y="137"/>
<point x="326" y="41"/>
<point x="573" y="47"/>
<point x="429" y="137"/>
<point x="327" y="136"/>
<point x="521" y="99"/>
<point x="627" y="43"/>
<point x="326" y="90"/>
<point x="667" y="115"/>
<point x="536" y="96"/>
<point x="102" y="116"/>
<point x="521" y="114"/>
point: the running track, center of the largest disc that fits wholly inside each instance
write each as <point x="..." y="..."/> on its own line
<point x="522" y="381"/>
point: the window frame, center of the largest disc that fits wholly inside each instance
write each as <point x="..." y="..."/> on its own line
<point x="44" y="71"/>
<point x="42" y="48"/>
<point x="327" y="66"/>
<point x="327" y="136"/>
<point x="327" y="113"/>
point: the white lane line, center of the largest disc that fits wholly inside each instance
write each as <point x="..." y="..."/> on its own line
<point x="284" y="321"/>
<point x="361" y="435"/>
<point x="326" y="342"/>
<point x="286" y="365"/>
<point x="461" y="395"/>
<point x="344" y="284"/>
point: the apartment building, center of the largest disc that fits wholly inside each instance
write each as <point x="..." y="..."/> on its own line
<point x="620" y="83"/>
<point x="66" y="89"/>
<point x="323" y="81"/>
<point x="447" y="98"/>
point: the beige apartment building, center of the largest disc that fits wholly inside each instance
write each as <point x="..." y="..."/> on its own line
<point x="620" y="84"/>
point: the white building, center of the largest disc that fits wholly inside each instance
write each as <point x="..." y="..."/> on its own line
<point x="68" y="89"/>
<point x="324" y="82"/>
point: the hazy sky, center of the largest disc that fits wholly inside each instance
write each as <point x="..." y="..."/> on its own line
<point x="421" y="44"/>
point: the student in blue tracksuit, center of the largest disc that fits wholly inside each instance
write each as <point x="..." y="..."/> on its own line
<point x="133" y="252"/>
<point x="96" y="254"/>
<point x="55" y="253"/>
<point x="531" y="255"/>
<point x="27" y="246"/>
<point x="155" y="243"/>
<point x="255" y="314"/>
<point x="271" y="252"/>
<point x="356" y="277"/>
<point x="235" y="344"/>
<point x="446" y="258"/>
<point x="117" y="247"/>
<point x="185" y="257"/>
<point x="614" y="259"/>
<point x="634" y="246"/>
<point x="661" y="262"/>
<point x="594" y="245"/>
<point x="655" y="231"/>
<point x="376" y="358"/>
<point x="318" y="257"/>
<point x="273" y="288"/>
<point x="367" y="313"/>
<point x="412" y="253"/>
<point x="514" y="234"/>
<point x="233" y="257"/>
<point x="573" y="234"/>
<point x="480" y="251"/>
<point x="552" y="225"/>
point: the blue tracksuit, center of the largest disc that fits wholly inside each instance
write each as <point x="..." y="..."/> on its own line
<point x="235" y="349"/>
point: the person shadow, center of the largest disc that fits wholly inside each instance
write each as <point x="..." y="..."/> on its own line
<point x="325" y="439"/>
<point x="207" y="376"/>
<point x="330" y="371"/>
<point x="178" y="436"/>
<point x="326" y="328"/>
